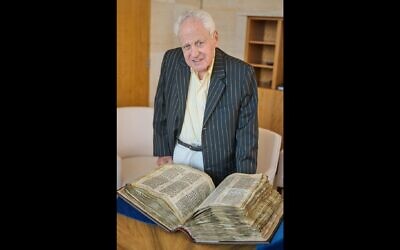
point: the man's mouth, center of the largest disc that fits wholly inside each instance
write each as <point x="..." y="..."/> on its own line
<point x="197" y="60"/>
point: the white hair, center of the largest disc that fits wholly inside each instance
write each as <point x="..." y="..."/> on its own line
<point x="200" y="15"/>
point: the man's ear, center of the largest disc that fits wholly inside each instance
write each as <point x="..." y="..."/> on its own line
<point x="216" y="35"/>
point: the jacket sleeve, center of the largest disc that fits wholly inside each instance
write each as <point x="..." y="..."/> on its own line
<point x="160" y="138"/>
<point x="247" y="131"/>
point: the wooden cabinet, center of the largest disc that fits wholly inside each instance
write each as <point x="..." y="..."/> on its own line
<point x="270" y="109"/>
<point x="133" y="43"/>
<point x="264" y="51"/>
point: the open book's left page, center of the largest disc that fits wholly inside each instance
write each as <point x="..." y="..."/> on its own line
<point x="170" y="194"/>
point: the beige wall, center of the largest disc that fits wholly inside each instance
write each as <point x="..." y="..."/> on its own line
<point x="229" y="16"/>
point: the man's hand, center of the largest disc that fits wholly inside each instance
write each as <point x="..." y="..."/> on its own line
<point x="164" y="160"/>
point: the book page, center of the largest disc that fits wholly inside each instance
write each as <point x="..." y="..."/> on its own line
<point x="183" y="188"/>
<point x="234" y="191"/>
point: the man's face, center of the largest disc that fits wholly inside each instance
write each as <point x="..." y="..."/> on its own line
<point x="197" y="44"/>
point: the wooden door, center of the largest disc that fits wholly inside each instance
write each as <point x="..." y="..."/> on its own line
<point x="133" y="43"/>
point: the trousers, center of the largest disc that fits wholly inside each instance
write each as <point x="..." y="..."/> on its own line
<point x="186" y="156"/>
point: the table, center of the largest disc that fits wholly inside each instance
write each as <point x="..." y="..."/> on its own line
<point x="135" y="231"/>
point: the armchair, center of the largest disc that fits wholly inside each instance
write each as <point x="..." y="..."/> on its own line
<point x="134" y="143"/>
<point x="269" y="145"/>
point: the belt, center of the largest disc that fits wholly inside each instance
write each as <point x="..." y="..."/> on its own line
<point x="194" y="148"/>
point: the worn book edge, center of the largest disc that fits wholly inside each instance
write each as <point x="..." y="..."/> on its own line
<point x="127" y="199"/>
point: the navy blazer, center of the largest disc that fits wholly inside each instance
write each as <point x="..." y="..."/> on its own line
<point x="230" y="126"/>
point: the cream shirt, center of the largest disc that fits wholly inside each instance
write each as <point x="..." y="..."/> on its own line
<point x="195" y="106"/>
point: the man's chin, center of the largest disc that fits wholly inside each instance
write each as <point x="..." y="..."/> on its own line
<point x="199" y="69"/>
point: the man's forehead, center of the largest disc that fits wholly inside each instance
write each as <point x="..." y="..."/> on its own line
<point x="192" y="26"/>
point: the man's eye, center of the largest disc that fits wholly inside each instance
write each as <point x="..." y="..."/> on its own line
<point x="199" y="43"/>
<point x="186" y="47"/>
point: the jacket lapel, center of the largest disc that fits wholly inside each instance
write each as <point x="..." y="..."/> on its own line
<point x="182" y="78"/>
<point x="217" y="85"/>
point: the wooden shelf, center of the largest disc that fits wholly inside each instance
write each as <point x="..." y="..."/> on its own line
<point x="262" y="66"/>
<point x="264" y="51"/>
<point x="264" y="48"/>
<point x="262" y="42"/>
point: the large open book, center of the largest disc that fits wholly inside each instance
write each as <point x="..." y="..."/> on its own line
<point x="243" y="208"/>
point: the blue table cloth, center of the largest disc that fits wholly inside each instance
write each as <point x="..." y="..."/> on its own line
<point x="127" y="210"/>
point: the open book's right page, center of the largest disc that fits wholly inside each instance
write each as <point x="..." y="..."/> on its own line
<point x="243" y="208"/>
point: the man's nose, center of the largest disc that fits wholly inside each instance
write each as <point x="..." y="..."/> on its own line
<point x="195" y="51"/>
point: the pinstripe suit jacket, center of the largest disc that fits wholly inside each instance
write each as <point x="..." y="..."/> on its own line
<point x="230" y="125"/>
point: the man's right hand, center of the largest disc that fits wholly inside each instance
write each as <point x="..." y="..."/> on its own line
<point x="164" y="160"/>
